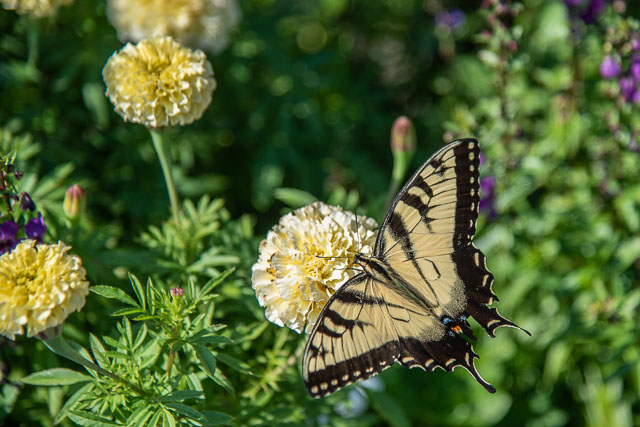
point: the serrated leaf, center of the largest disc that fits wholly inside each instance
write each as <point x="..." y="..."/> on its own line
<point x="72" y="401"/>
<point x="139" y="416"/>
<point x="113" y="293"/>
<point x="168" y="420"/>
<point x="211" y="284"/>
<point x="127" y="312"/>
<point x="181" y="395"/>
<point x="207" y="358"/>
<point x="113" y="343"/>
<point x="139" y="291"/>
<point x="89" y="419"/>
<point x="185" y="410"/>
<point x="54" y="377"/>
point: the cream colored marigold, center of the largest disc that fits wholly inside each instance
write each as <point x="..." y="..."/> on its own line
<point x="305" y="259"/>
<point x="159" y="83"/>
<point x="40" y="285"/>
<point x="35" y="8"/>
<point x="205" y="24"/>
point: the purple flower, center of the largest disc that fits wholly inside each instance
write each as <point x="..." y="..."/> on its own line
<point x="35" y="228"/>
<point x="628" y="88"/>
<point x="26" y="203"/>
<point x="8" y="231"/>
<point x="452" y="19"/>
<point x="487" y="196"/>
<point x="610" y="67"/>
<point x="593" y="11"/>
<point x="635" y="72"/>
<point x="587" y="10"/>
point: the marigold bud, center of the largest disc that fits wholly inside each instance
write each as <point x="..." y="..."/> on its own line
<point x="403" y="136"/>
<point x="75" y="201"/>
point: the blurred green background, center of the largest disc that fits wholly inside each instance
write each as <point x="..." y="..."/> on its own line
<point x="307" y="92"/>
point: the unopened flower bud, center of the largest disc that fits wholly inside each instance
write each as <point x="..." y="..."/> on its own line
<point x="403" y="136"/>
<point x="75" y="201"/>
<point x="26" y="203"/>
<point x="177" y="292"/>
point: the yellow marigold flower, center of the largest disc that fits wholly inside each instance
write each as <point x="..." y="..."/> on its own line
<point x="305" y="259"/>
<point x="159" y="83"/>
<point x="205" y="24"/>
<point x="40" y="285"/>
<point x="35" y="8"/>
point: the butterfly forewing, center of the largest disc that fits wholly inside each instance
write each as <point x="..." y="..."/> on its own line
<point x="425" y="279"/>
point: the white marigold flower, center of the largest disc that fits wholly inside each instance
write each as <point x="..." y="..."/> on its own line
<point x="40" y="285"/>
<point x="305" y="259"/>
<point x="205" y="24"/>
<point x="159" y="83"/>
<point x="35" y="8"/>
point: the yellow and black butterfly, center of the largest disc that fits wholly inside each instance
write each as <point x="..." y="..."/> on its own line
<point x="425" y="279"/>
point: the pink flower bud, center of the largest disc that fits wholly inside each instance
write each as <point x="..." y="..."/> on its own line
<point x="403" y="136"/>
<point x="75" y="201"/>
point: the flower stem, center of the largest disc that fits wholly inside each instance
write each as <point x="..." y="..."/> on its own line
<point x="33" y="48"/>
<point x="60" y="347"/>
<point x="162" y="150"/>
<point x="172" y="355"/>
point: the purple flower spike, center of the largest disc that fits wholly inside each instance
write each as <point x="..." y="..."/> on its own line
<point x="628" y="88"/>
<point x="487" y="196"/>
<point x="8" y="231"/>
<point x="635" y="72"/>
<point x="610" y="67"/>
<point x="35" y="228"/>
<point x="594" y="10"/>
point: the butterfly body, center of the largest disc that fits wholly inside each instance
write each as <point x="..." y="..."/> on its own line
<point x="424" y="280"/>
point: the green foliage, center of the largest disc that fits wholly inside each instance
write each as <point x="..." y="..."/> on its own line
<point x="307" y="93"/>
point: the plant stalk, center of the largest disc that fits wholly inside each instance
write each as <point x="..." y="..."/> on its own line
<point x="161" y="146"/>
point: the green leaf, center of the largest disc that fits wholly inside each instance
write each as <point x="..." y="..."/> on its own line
<point x="180" y="395"/>
<point x="220" y="379"/>
<point x="127" y="312"/>
<point x="233" y="363"/>
<point x="217" y="418"/>
<point x="185" y="410"/>
<point x="113" y="293"/>
<point x="207" y="358"/>
<point x="89" y="419"/>
<point x="205" y="336"/>
<point x="137" y="288"/>
<point x="72" y="401"/>
<point x="139" y="416"/>
<point x="208" y="287"/>
<point x="168" y="420"/>
<point x="55" y="376"/>
<point x="293" y="197"/>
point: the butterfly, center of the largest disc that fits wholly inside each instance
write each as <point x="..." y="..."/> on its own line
<point x="412" y="302"/>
